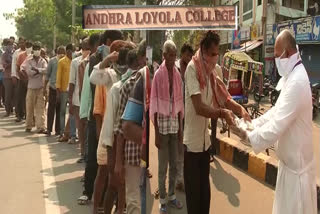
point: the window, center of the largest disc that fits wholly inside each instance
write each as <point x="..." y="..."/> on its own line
<point x="247" y="5"/>
<point x="247" y="16"/>
<point x="294" y="4"/>
<point x="259" y="2"/>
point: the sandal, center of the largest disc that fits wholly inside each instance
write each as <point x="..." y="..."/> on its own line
<point x="163" y="209"/>
<point x="63" y="139"/>
<point x="149" y="175"/>
<point x="83" y="200"/>
<point x="175" y="204"/>
<point x="156" y="194"/>
<point x="81" y="159"/>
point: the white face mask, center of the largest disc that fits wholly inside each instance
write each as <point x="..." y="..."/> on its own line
<point x="36" y="53"/>
<point x="286" y="65"/>
<point x="29" y="51"/>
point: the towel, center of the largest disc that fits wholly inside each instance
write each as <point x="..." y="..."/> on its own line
<point x="160" y="96"/>
<point x="219" y="90"/>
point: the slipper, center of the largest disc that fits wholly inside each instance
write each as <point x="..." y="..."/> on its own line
<point x="156" y="194"/>
<point x="83" y="200"/>
<point x="149" y="175"/>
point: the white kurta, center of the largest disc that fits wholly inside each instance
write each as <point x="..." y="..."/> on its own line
<point x="288" y="125"/>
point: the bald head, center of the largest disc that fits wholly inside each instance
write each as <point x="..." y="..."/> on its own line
<point x="285" y="45"/>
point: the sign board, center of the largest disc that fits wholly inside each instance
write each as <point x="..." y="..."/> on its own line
<point x="269" y="52"/>
<point x="159" y="17"/>
<point x="304" y="30"/>
<point x="236" y="39"/>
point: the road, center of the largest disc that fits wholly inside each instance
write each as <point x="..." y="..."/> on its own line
<point x="232" y="191"/>
<point x="38" y="174"/>
<point x="41" y="176"/>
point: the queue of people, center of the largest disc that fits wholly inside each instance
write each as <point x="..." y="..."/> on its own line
<point x="106" y="95"/>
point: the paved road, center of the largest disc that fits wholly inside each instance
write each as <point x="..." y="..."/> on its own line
<point x="232" y="191"/>
<point x="41" y="176"/>
<point x="38" y="174"/>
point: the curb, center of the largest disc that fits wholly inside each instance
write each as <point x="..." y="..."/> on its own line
<point x="262" y="167"/>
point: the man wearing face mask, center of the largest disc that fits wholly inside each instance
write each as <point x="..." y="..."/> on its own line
<point x="288" y="125"/>
<point x="54" y="103"/>
<point x="35" y="67"/>
<point x="22" y="83"/>
<point x="74" y="96"/>
<point x="6" y="60"/>
<point x="205" y="97"/>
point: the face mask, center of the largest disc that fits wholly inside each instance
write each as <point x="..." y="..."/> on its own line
<point x="29" y="51"/>
<point x="286" y="65"/>
<point x="104" y="50"/>
<point x="120" y="69"/>
<point x="36" y="53"/>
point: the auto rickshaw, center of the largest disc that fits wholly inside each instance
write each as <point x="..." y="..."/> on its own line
<point x="239" y="70"/>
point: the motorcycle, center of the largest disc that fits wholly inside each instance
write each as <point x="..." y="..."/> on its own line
<point x="268" y="90"/>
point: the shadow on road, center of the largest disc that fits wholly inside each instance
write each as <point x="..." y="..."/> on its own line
<point x="68" y="196"/>
<point x="226" y="183"/>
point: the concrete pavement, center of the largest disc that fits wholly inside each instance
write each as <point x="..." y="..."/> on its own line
<point x="38" y="174"/>
<point x="232" y="191"/>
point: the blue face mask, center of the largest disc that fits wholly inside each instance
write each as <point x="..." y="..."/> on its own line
<point x="104" y="50"/>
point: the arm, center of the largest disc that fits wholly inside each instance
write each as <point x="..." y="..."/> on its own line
<point x="98" y="124"/>
<point x="237" y="109"/>
<point x="286" y="112"/>
<point x="48" y="74"/>
<point x="110" y="58"/>
<point x="72" y="80"/>
<point x="14" y="64"/>
<point x="120" y="155"/>
<point x="59" y="73"/>
<point x="132" y="131"/>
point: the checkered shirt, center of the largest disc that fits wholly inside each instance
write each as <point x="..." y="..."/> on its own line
<point x="132" y="150"/>
<point x="168" y="124"/>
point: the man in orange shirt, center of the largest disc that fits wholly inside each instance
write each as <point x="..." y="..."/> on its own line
<point x="23" y="83"/>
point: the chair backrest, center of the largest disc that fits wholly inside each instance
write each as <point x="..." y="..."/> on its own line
<point x="235" y="87"/>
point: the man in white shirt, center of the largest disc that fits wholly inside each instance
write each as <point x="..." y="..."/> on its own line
<point x="288" y="125"/>
<point x="74" y="96"/>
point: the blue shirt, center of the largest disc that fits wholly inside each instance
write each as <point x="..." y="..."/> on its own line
<point x="52" y="72"/>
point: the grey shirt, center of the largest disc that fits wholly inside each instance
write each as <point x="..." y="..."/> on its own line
<point x="51" y="75"/>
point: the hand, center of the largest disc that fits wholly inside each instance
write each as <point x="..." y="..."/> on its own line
<point x="14" y="81"/>
<point x="228" y="116"/>
<point x="113" y="57"/>
<point x="180" y="136"/>
<point x="58" y="95"/>
<point x="45" y="93"/>
<point x="36" y="70"/>
<point x="70" y="108"/>
<point x="245" y="115"/>
<point x="119" y="171"/>
<point x="157" y="140"/>
<point x="243" y="134"/>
